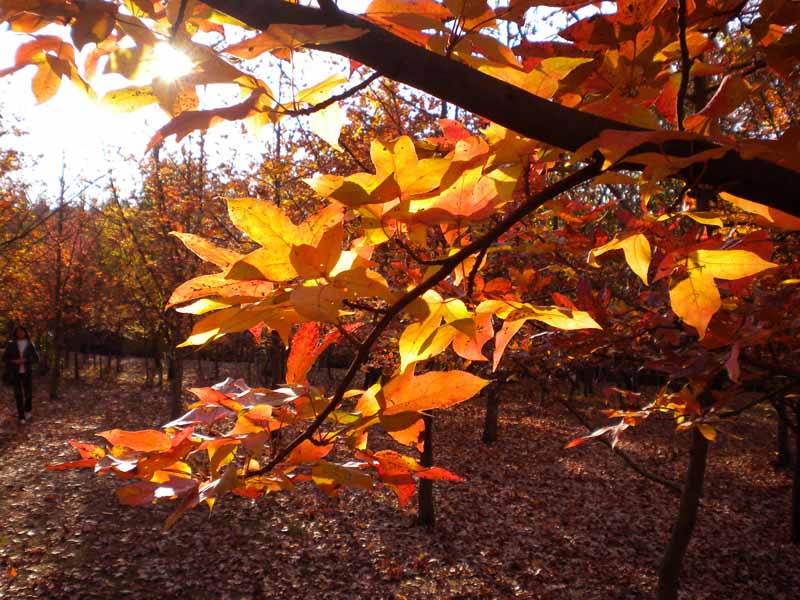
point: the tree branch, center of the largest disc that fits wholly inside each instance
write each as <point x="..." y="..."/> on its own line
<point x="577" y="178"/>
<point x="551" y="123"/>
<point x="619" y="451"/>
<point x="686" y="64"/>
<point x="296" y="112"/>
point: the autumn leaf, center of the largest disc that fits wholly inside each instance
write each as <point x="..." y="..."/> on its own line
<point x="328" y="122"/>
<point x="308" y="452"/>
<point x="695" y="300"/>
<point x="728" y="264"/>
<point x="637" y="253"/>
<point x="329" y="477"/>
<point x="147" y="440"/>
<point x="770" y="215"/>
<point x="434" y="389"/>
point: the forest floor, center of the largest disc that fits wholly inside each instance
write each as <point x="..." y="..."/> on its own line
<point x="531" y="521"/>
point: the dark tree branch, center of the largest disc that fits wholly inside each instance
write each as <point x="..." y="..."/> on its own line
<point x="551" y="123"/>
<point x="296" y="112"/>
<point x="512" y="218"/>
<point x="686" y="63"/>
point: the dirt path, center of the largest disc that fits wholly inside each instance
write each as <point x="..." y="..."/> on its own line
<point x="533" y="521"/>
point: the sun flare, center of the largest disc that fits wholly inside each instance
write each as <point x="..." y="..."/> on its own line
<point x="169" y="63"/>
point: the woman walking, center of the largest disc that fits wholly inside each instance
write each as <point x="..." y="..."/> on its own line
<point x="19" y="358"/>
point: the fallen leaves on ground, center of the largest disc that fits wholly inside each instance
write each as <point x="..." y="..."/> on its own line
<point x="532" y="520"/>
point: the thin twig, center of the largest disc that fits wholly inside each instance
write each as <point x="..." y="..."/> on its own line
<point x="474" y="272"/>
<point x="298" y="112"/>
<point x="620" y="452"/>
<point x="179" y="19"/>
<point x="512" y="218"/>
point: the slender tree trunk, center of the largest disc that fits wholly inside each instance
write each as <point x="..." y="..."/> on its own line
<point x="490" y="420"/>
<point x="277" y="359"/>
<point x="175" y="375"/>
<point x="796" y="483"/>
<point x="76" y="365"/>
<point x="159" y="367"/>
<point x="148" y="372"/>
<point x="670" y="570"/>
<point x="427" y="514"/>
<point x="58" y="301"/>
<point x="784" y="453"/>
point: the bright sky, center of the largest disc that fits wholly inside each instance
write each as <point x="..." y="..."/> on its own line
<point x="89" y="139"/>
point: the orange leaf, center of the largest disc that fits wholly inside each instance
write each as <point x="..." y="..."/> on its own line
<point x="307" y="345"/>
<point x="147" y="440"/>
<point x="308" y="452"/>
<point x="435" y="389"/>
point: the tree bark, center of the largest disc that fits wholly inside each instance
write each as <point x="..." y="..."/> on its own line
<point x="148" y="372"/>
<point x="175" y="377"/>
<point x="784" y="453"/>
<point x="490" y="420"/>
<point x="670" y="570"/>
<point x="277" y="359"/>
<point x="796" y="483"/>
<point x="427" y="515"/>
<point x="753" y="178"/>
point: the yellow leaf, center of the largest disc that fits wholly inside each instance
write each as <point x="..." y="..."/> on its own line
<point x="695" y="300"/>
<point x="327" y="123"/>
<point x="266" y="224"/>
<point x="637" y="253"/>
<point x="208" y="251"/>
<point x="318" y="302"/>
<point x="312" y="262"/>
<point x="129" y="99"/>
<point x="703" y="217"/>
<point x="708" y="432"/>
<point x="771" y="215"/>
<point x="321" y="91"/>
<point x="728" y="264"/>
<point x="420" y="341"/>
<point x="556" y="316"/>
<point x="328" y="475"/>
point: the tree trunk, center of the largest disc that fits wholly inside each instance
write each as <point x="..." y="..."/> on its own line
<point x="175" y="376"/>
<point x="670" y="570"/>
<point x="118" y="365"/>
<point x="277" y="359"/>
<point x="492" y="413"/>
<point x="148" y="372"/>
<point x="159" y="367"/>
<point x="784" y="453"/>
<point x="796" y="483"/>
<point x="200" y="374"/>
<point x="426" y="507"/>
<point x="76" y="366"/>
